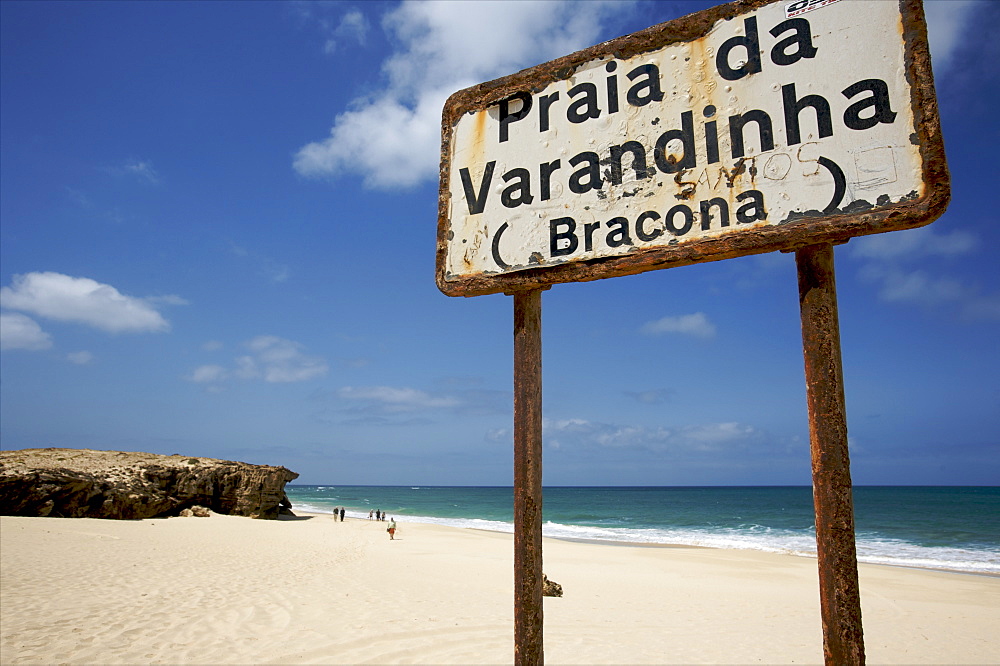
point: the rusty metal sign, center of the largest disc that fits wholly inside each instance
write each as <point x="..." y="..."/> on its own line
<point x="746" y="128"/>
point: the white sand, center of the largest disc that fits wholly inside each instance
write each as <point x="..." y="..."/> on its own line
<point x="234" y="590"/>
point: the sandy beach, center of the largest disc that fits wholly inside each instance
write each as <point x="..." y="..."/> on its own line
<point x="228" y="590"/>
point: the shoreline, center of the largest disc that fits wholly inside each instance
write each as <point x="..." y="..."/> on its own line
<point x="807" y="556"/>
<point x="431" y="520"/>
<point x="308" y="589"/>
<point x="647" y="544"/>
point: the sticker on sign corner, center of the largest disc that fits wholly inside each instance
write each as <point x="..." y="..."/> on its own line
<point x="799" y="7"/>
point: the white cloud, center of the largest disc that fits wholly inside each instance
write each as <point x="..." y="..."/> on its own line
<point x="279" y="360"/>
<point x="886" y="257"/>
<point x="392" y="137"/>
<point x="946" y="20"/>
<point x="273" y="359"/>
<point x="353" y="27"/>
<point x="85" y="301"/>
<point x="133" y="168"/>
<point x="390" y="143"/>
<point x="267" y="267"/>
<point x="18" y="331"/>
<point x="142" y="170"/>
<point x="394" y="406"/>
<point x="713" y="435"/>
<point x="335" y="27"/>
<point x="918" y="287"/>
<point x="208" y="374"/>
<point x="393" y="400"/>
<point x="897" y="285"/>
<point x="246" y="368"/>
<point x="80" y="357"/>
<point x="650" y="397"/>
<point x="913" y="243"/>
<point x="168" y="299"/>
<point x="703" y="438"/>
<point x="696" y="324"/>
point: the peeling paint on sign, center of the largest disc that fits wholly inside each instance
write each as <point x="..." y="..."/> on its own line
<point x="732" y="131"/>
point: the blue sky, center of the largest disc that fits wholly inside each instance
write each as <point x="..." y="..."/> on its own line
<point x="217" y="236"/>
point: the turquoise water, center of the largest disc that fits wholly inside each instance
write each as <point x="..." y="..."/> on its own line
<point x="937" y="527"/>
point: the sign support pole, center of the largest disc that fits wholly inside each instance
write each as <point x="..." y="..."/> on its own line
<point x="528" y="477"/>
<point x="840" y="599"/>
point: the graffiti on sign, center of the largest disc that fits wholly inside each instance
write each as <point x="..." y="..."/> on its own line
<point x="746" y="128"/>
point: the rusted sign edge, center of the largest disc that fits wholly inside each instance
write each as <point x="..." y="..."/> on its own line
<point x="808" y="230"/>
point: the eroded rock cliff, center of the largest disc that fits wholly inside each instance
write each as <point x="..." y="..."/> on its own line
<point x="82" y="483"/>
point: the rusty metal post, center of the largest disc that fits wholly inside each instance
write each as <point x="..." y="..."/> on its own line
<point x="840" y="599"/>
<point x="528" y="477"/>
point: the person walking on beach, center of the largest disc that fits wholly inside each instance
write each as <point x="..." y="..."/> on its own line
<point x="371" y="513"/>
<point x="392" y="529"/>
<point x="378" y="515"/>
<point x="342" y="512"/>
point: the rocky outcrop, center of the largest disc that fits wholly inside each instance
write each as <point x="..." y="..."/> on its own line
<point x="550" y="588"/>
<point x="81" y="483"/>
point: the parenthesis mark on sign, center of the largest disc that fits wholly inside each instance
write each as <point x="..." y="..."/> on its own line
<point x="839" y="184"/>
<point x="496" y="247"/>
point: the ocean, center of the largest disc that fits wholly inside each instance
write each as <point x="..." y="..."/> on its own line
<point x="937" y="527"/>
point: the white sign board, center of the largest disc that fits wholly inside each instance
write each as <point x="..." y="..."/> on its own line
<point x="728" y="132"/>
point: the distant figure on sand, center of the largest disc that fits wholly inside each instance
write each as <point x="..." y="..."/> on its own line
<point x="392" y="528"/>
<point x="378" y="514"/>
<point x="342" y="512"/>
<point x="371" y="513"/>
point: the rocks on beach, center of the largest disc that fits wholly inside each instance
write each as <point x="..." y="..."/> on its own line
<point x="550" y="588"/>
<point x="83" y="483"/>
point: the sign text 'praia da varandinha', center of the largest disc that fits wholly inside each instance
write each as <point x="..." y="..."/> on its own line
<point x="745" y="128"/>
